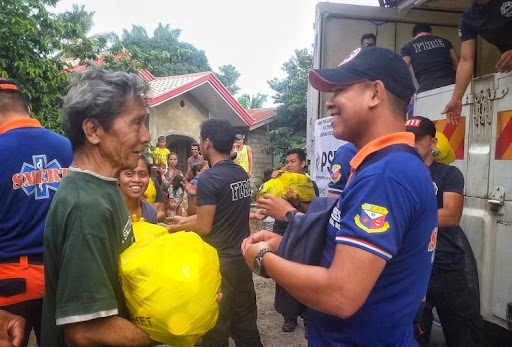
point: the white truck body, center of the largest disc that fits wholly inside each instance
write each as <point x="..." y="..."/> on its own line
<point x="483" y="142"/>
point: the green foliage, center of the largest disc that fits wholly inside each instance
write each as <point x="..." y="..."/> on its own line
<point x="229" y="76"/>
<point x="30" y="37"/>
<point x="289" y="128"/>
<point x="252" y="102"/>
<point x="163" y="53"/>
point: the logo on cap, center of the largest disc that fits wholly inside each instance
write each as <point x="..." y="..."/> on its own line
<point x="414" y="122"/>
<point x="351" y="56"/>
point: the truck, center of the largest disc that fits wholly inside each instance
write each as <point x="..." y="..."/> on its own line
<point x="482" y="141"/>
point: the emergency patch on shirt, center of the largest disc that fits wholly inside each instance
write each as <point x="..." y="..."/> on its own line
<point x="336" y="173"/>
<point x="372" y="218"/>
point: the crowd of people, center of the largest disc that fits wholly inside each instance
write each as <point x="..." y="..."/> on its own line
<point x="390" y="247"/>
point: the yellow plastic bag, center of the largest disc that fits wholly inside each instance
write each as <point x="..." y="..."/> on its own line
<point x="298" y="183"/>
<point x="170" y="282"/>
<point x="444" y="152"/>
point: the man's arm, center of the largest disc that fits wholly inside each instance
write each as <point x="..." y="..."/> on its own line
<point x="464" y="73"/>
<point x="454" y="56"/>
<point x="407" y="60"/>
<point x="249" y="154"/>
<point x="109" y="331"/>
<point x="340" y="290"/>
<point x="451" y="212"/>
<point x="202" y="225"/>
<point x="505" y="62"/>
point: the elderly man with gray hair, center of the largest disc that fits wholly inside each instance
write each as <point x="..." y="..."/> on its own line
<point x="88" y="224"/>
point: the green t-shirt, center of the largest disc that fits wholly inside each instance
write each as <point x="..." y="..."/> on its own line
<point x="87" y="228"/>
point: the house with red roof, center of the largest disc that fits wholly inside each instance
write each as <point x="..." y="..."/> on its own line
<point x="178" y="105"/>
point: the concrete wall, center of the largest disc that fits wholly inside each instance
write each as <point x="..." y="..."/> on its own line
<point x="171" y="118"/>
<point x="258" y="139"/>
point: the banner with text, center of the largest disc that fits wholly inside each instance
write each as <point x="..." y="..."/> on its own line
<point x="325" y="147"/>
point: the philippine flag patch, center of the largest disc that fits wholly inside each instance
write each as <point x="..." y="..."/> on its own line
<point x="372" y="218"/>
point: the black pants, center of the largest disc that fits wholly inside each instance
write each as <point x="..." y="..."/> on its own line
<point x="238" y="311"/>
<point x="31" y="311"/>
<point x="458" y="307"/>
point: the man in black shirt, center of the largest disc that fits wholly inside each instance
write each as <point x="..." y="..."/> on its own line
<point x="492" y="20"/>
<point x="223" y="203"/>
<point x="457" y="304"/>
<point x="433" y="58"/>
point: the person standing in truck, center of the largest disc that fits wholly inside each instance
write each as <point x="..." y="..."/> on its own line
<point x="433" y="58"/>
<point x="491" y="20"/>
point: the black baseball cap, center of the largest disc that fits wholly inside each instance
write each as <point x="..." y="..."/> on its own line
<point x="367" y="64"/>
<point x="420" y="126"/>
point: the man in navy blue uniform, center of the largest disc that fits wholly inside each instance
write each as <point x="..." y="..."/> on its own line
<point x="34" y="160"/>
<point x="380" y="239"/>
<point x="457" y="305"/>
<point x="340" y="169"/>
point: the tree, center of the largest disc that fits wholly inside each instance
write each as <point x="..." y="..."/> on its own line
<point x="163" y="53"/>
<point x="229" y="76"/>
<point x="289" y="128"/>
<point x="30" y="37"/>
<point x="252" y="102"/>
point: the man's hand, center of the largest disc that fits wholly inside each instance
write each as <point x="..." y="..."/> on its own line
<point x="293" y="198"/>
<point x="257" y="215"/>
<point x="275" y="207"/>
<point x="176" y="220"/>
<point x="271" y="240"/>
<point x="276" y="174"/>
<point x="191" y="189"/>
<point x="12" y="329"/>
<point x="252" y="251"/>
<point x="453" y="110"/>
<point x="505" y="62"/>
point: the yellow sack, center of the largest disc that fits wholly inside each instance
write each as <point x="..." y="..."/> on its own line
<point x="444" y="152"/>
<point x="298" y="183"/>
<point x="170" y="282"/>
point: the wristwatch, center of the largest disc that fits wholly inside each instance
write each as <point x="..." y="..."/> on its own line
<point x="290" y="214"/>
<point x="259" y="269"/>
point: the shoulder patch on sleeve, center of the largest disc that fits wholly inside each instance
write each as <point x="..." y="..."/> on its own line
<point x="372" y="218"/>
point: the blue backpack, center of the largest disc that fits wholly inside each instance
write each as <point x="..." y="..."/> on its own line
<point x="303" y="242"/>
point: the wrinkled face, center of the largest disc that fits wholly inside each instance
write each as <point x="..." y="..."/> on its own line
<point x="194" y="150"/>
<point x="172" y="160"/>
<point x="348" y="117"/>
<point x="134" y="182"/>
<point x="127" y="137"/>
<point x="425" y="145"/>
<point x="294" y="164"/>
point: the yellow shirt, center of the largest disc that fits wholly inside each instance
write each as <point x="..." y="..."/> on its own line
<point x="151" y="192"/>
<point x="242" y="158"/>
<point x="161" y="155"/>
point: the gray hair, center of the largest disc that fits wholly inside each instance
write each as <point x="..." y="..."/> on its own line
<point x="98" y="94"/>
